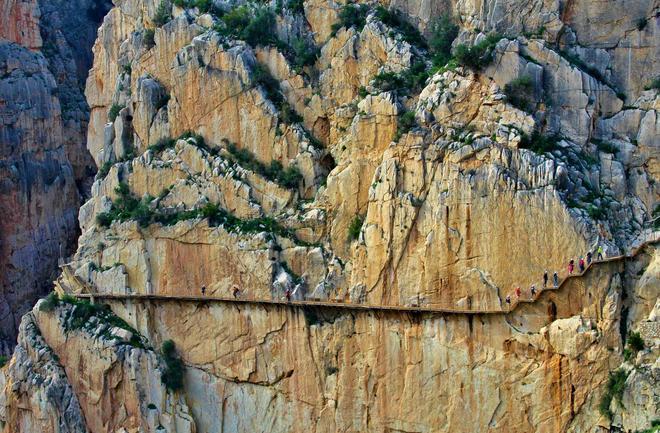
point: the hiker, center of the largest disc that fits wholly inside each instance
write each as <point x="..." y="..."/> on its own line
<point x="545" y="279"/>
<point x="589" y="257"/>
<point x="533" y="291"/>
<point x="236" y="292"/>
<point x="203" y="290"/>
<point x="288" y="295"/>
<point x="518" y="292"/>
<point x="508" y="300"/>
<point x="581" y="264"/>
<point x="600" y="252"/>
<point x="555" y="280"/>
<point x="571" y="266"/>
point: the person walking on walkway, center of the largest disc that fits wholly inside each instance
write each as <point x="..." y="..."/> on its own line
<point x="581" y="264"/>
<point x="236" y="292"/>
<point x="508" y="300"/>
<point x="571" y="267"/>
<point x="545" y="279"/>
<point x="288" y="295"/>
<point x="555" y="280"/>
<point x="600" y="252"/>
<point x="518" y="292"/>
<point x="589" y="257"/>
<point x="532" y="291"/>
<point x="203" y="290"/>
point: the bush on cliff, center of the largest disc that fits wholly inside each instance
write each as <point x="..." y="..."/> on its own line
<point x="254" y="27"/>
<point x="351" y="16"/>
<point x="172" y="376"/>
<point x="3" y="361"/>
<point x="443" y="33"/>
<point x="477" y="56"/>
<point x="395" y="20"/>
<point x="355" y="227"/>
<point x="50" y="303"/>
<point x="519" y="93"/>
<point x="614" y="390"/>
<point x="163" y="13"/>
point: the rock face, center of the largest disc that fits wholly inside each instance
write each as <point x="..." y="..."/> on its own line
<point x="45" y="167"/>
<point x="329" y="166"/>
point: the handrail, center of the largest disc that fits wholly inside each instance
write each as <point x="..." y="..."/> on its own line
<point x="354" y="306"/>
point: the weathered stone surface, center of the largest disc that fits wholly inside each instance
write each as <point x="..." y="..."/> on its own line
<point x="44" y="57"/>
<point x="434" y="193"/>
<point x="38" y="192"/>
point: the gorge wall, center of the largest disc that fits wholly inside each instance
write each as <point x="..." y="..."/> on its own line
<point x="330" y="152"/>
<point x="45" y="54"/>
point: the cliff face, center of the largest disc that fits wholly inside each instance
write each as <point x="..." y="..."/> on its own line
<point x="263" y="149"/>
<point x="45" y="166"/>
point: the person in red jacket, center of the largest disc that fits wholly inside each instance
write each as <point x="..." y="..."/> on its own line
<point x="571" y="266"/>
<point x="518" y="292"/>
<point x="581" y="264"/>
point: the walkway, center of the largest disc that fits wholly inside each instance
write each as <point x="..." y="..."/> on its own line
<point x="352" y="306"/>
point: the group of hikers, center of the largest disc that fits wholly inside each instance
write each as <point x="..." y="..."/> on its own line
<point x="582" y="265"/>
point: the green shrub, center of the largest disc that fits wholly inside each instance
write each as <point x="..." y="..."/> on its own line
<point x="50" y="303"/>
<point x="172" y="376"/>
<point x="206" y="6"/>
<point x="394" y="20"/>
<point x="443" y="33"/>
<point x="255" y="28"/>
<point x="302" y="54"/>
<point x="596" y="212"/>
<point x="3" y="361"/>
<point x="296" y="6"/>
<point x="641" y="23"/>
<point x="104" y="170"/>
<point x="114" y="111"/>
<point x="288" y="178"/>
<point x="271" y="86"/>
<point x="126" y="207"/>
<point x="655" y="84"/>
<point x="351" y="16"/>
<point x="539" y="143"/>
<point x="355" y="227"/>
<point x="520" y="93"/>
<point x="410" y="80"/>
<point x="614" y="390"/>
<point x="79" y="318"/>
<point x="605" y="146"/>
<point x="163" y="13"/>
<point x="635" y="341"/>
<point x="162" y="144"/>
<point x="297" y="279"/>
<point x="477" y="56"/>
<point x="149" y="38"/>
<point x="181" y="3"/>
<point x="406" y="123"/>
<point x="576" y="61"/>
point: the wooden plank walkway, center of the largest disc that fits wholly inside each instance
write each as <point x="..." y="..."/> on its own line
<point x="430" y="309"/>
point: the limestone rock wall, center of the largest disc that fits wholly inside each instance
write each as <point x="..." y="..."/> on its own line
<point x="45" y="169"/>
<point x="229" y="166"/>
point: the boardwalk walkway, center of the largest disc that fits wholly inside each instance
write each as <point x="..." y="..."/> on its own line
<point x="352" y="306"/>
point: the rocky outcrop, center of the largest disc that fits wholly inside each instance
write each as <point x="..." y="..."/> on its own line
<point x="90" y="379"/>
<point x="352" y="171"/>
